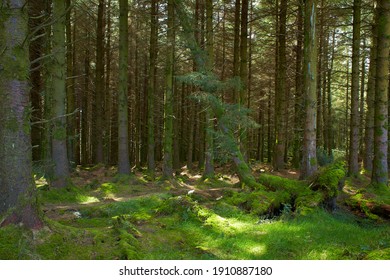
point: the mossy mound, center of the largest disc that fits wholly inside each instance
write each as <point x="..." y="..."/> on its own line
<point x="373" y="201"/>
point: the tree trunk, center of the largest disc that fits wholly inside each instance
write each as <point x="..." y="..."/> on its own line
<point x="85" y="158"/>
<point x="353" y="166"/>
<point x="236" y="50"/>
<point x="380" y="167"/>
<point x="35" y="9"/>
<point x="59" y="142"/>
<point x="370" y="101"/>
<point x="98" y="129"/>
<point x="70" y="90"/>
<point x="168" y="99"/>
<point x="209" y="139"/>
<point x="123" y="136"/>
<point x="17" y="187"/>
<point x="243" y="98"/>
<point x="309" y="157"/>
<point x="151" y="87"/>
<point x="280" y="95"/>
<point x="298" y="112"/>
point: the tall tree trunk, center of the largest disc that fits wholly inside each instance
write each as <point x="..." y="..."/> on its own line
<point x="84" y="113"/>
<point x="17" y="187"/>
<point x="298" y="112"/>
<point x="47" y="98"/>
<point x="35" y="9"/>
<point x="123" y="136"/>
<point x="320" y="30"/>
<point x="370" y="101"/>
<point x="151" y="86"/>
<point x="243" y="98"/>
<point x="108" y="104"/>
<point x="309" y="157"/>
<point x="329" y="125"/>
<point x="380" y="165"/>
<point x="209" y="154"/>
<point x="362" y="101"/>
<point x="98" y="129"/>
<point x="70" y="90"/>
<point x="168" y="99"/>
<point x="236" y="50"/>
<point x="280" y="95"/>
<point x="59" y="142"/>
<point x="353" y="166"/>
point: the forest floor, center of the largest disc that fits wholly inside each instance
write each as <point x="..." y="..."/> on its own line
<point x="105" y="216"/>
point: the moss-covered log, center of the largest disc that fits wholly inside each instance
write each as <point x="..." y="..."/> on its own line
<point x="328" y="182"/>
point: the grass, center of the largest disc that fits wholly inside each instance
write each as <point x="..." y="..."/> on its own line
<point x="132" y="219"/>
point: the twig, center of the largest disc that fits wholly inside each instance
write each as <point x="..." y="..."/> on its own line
<point x="63" y="116"/>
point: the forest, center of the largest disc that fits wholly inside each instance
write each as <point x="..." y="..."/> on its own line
<point x="194" y="129"/>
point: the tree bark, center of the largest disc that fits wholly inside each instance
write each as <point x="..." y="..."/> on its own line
<point x="168" y="99"/>
<point x="243" y="98"/>
<point x="209" y="139"/>
<point x="309" y="157"/>
<point x="380" y="165"/>
<point x="123" y="136"/>
<point x="70" y="87"/>
<point x="17" y="186"/>
<point x="280" y="95"/>
<point x="98" y="129"/>
<point x="59" y="133"/>
<point x="370" y="101"/>
<point x="298" y="112"/>
<point x="353" y="166"/>
<point x="151" y="87"/>
<point x="35" y="8"/>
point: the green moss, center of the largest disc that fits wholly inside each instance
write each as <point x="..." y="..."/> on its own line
<point x="328" y="179"/>
<point x="108" y="188"/>
<point x="380" y="254"/>
<point x="15" y="243"/>
<point x="370" y="201"/>
<point x="68" y="194"/>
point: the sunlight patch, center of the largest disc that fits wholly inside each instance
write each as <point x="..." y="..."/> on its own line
<point x="257" y="250"/>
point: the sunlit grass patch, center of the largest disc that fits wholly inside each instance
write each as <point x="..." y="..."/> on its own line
<point x="68" y="194"/>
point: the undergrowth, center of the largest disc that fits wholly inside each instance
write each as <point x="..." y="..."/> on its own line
<point x="132" y="219"/>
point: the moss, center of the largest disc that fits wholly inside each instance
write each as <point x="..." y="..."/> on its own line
<point x="68" y="194"/>
<point x="380" y="254"/>
<point x="373" y="201"/>
<point x="328" y="179"/>
<point x="15" y="243"/>
<point x="108" y="188"/>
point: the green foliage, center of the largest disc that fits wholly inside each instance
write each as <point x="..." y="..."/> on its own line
<point x="323" y="158"/>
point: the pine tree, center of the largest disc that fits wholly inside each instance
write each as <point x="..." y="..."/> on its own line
<point x="168" y="100"/>
<point x="380" y="165"/>
<point x="59" y="134"/>
<point x="17" y="186"/>
<point x="123" y="123"/>
<point x="309" y="158"/>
